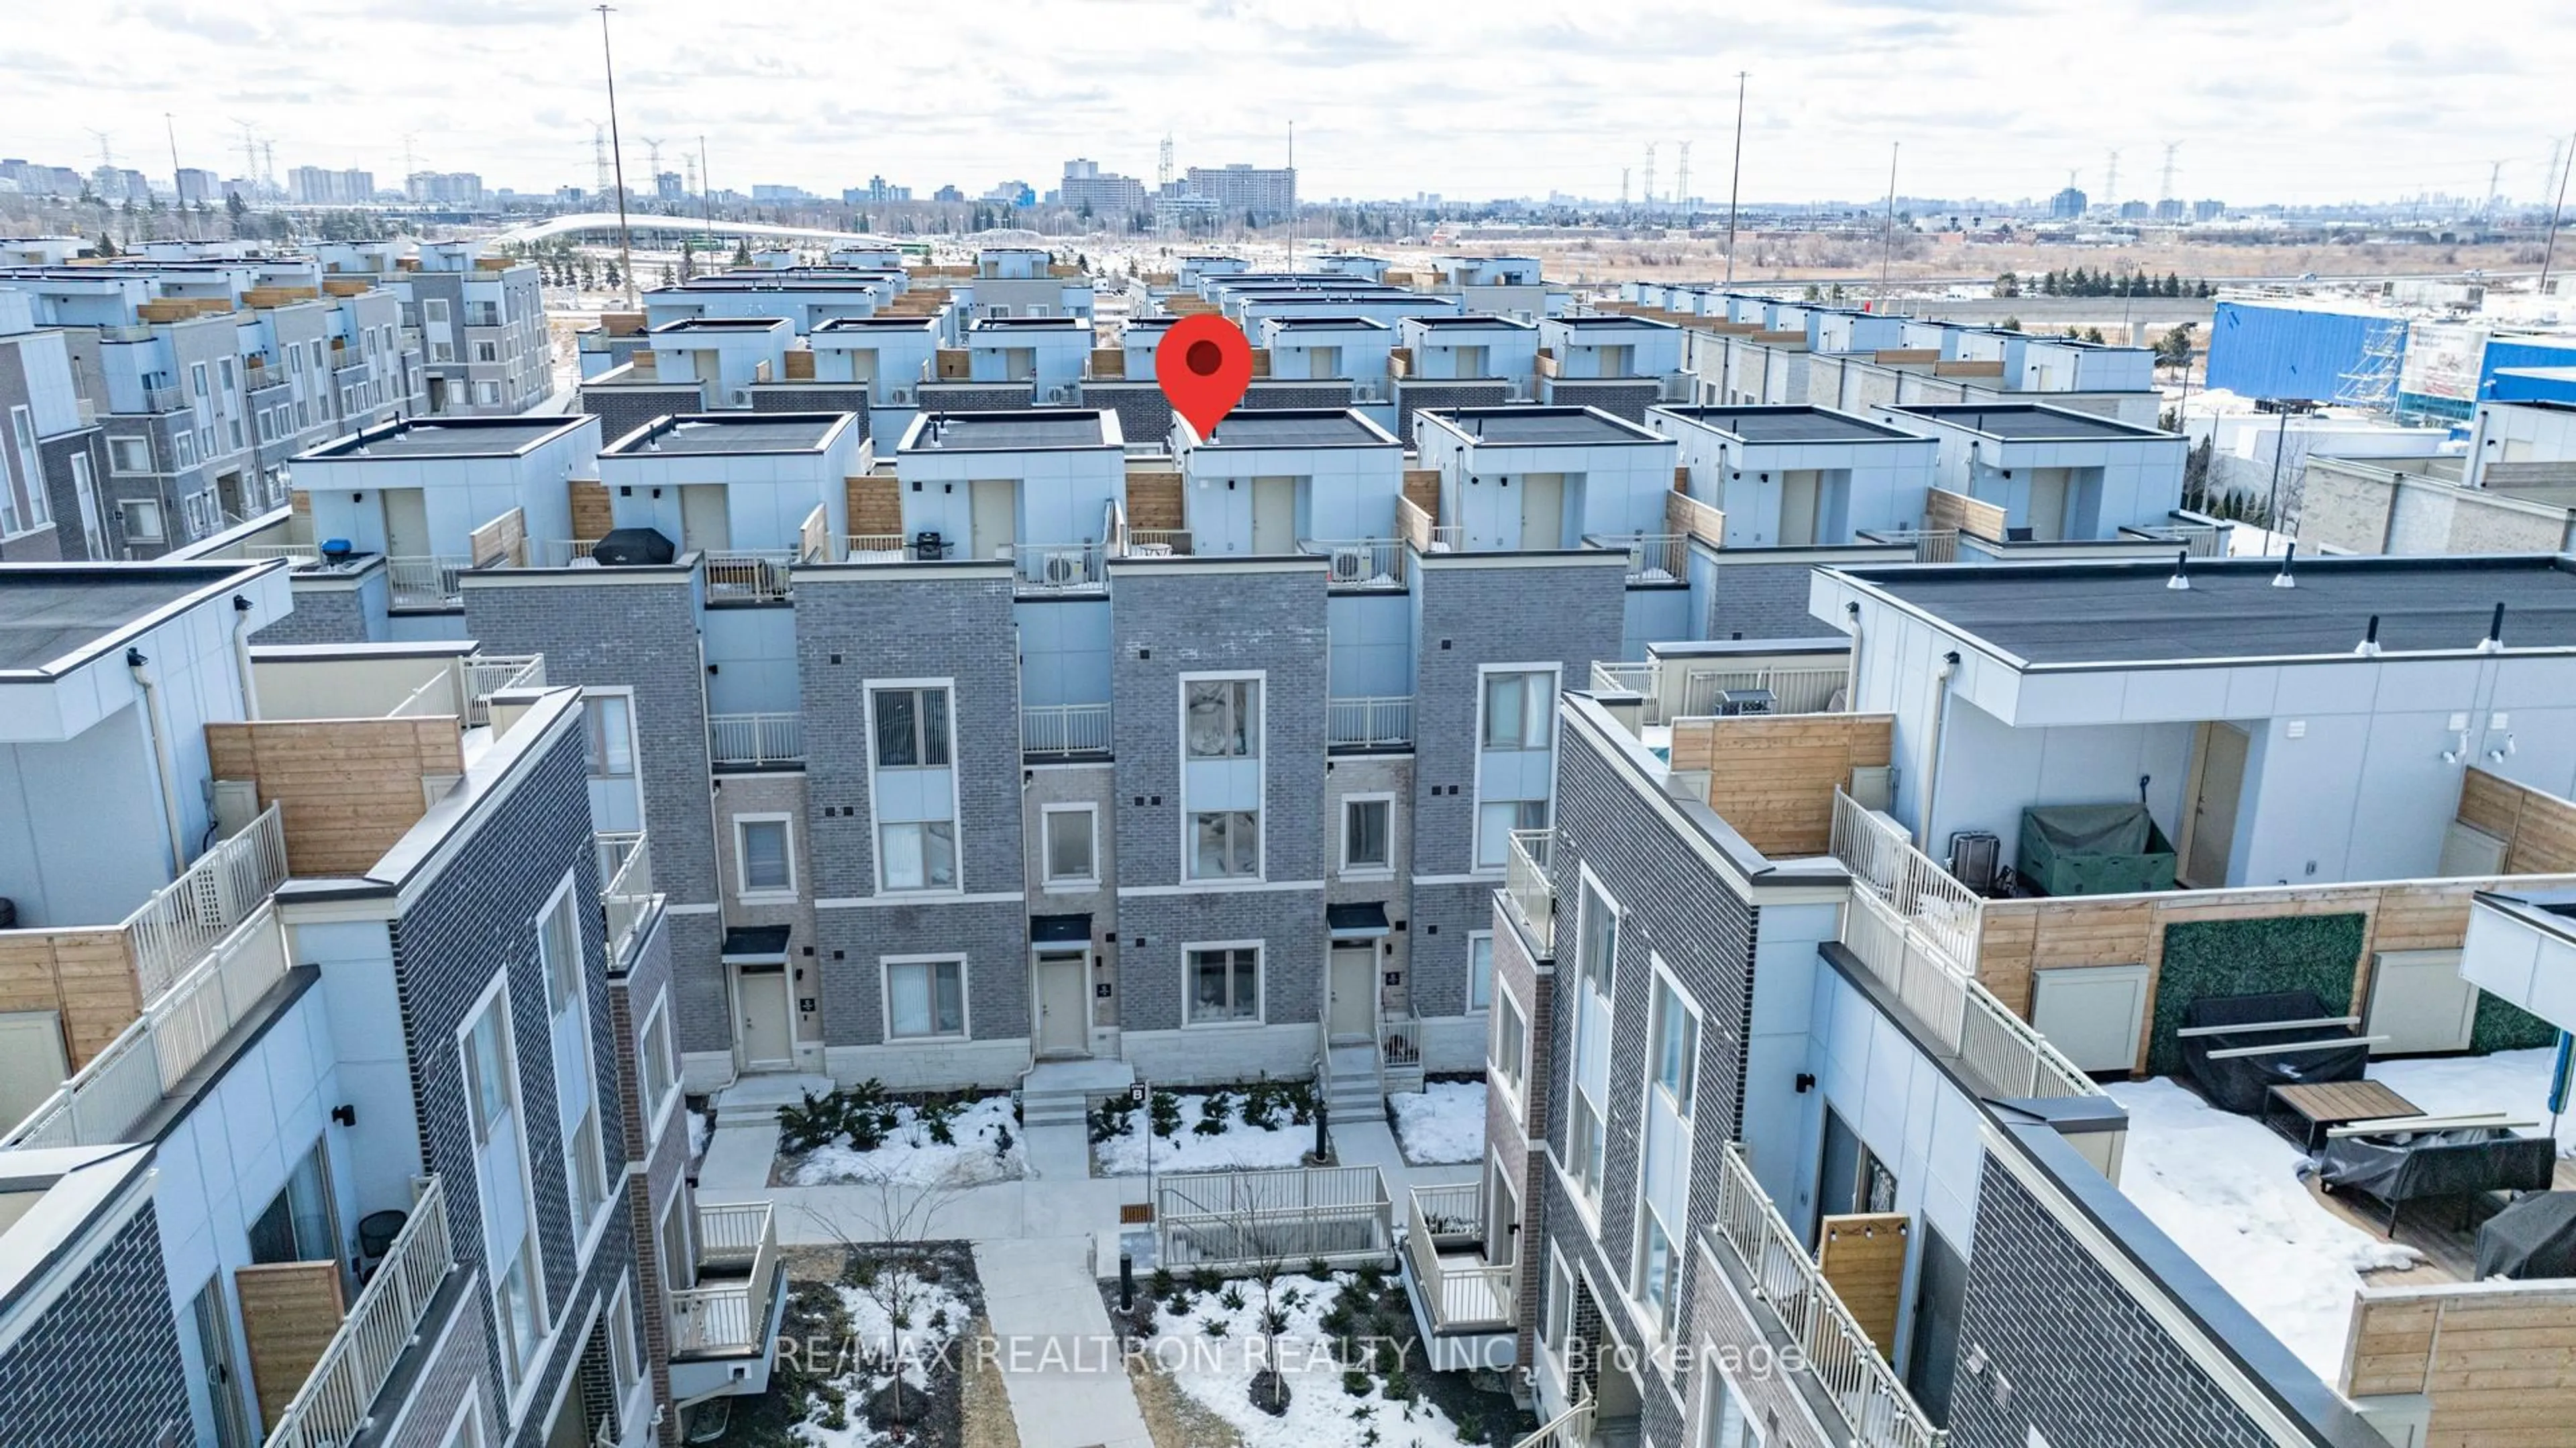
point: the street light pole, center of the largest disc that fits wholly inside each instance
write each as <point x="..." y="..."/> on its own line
<point x="617" y="155"/>
<point x="1735" y="186"/>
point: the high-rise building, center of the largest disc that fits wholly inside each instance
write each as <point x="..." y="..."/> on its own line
<point x="445" y="188"/>
<point x="2067" y="204"/>
<point x="316" y="186"/>
<point x="1266" y="192"/>
<point x="877" y="192"/>
<point x="668" y="187"/>
<point x="2208" y="210"/>
<point x="197" y="185"/>
<point x="1103" y="193"/>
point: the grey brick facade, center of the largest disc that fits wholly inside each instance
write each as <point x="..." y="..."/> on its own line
<point x="71" y="534"/>
<point x="2067" y="1350"/>
<point x="1627" y="397"/>
<point x="102" y="1364"/>
<point x="972" y="396"/>
<point x="1762" y="601"/>
<point x="1168" y="620"/>
<point x="1144" y="413"/>
<point x="625" y="407"/>
<point x="320" y="616"/>
<point x="663" y="1158"/>
<point x="1443" y="392"/>
<point x="814" y="397"/>
<point x="1292" y="393"/>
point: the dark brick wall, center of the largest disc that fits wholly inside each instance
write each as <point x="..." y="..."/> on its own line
<point x="1293" y="393"/>
<point x="462" y="1368"/>
<point x="2083" y="1360"/>
<point x="664" y="1157"/>
<point x="1144" y="413"/>
<point x="1618" y="396"/>
<point x="320" y="617"/>
<point x="1440" y="392"/>
<point x="813" y="397"/>
<point x="477" y="917"/>
<point x="1762" y="601"/>
<point x="102" y="1365"/>
<point x="71" y="536"/>
<point x="972" y="396"/>
<point x="621" y="410"/>
<point x="1521" y="1144"/>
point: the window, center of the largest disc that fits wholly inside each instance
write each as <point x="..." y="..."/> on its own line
<point x="297" y="1225"/>
<point x="1511" y="1045"/>
<point x="488" y="1050"/>
<point x="434" y="310"/>
<point x="183" y="446"/>
<point x="487" y="352"/>
<point x="1557" y="1323"/>
<point x="129" y="454"/>
<point x="1728" y="1424"/>
<point x="559" y="950"/>
<point x="1598" y="951"/>
<point x="1367" y="821"/>
<point x="920" y="855"/>
<point x="442" y="352"/>
<point x="142" y="517"/>
<point x="1675" y="1037"/>
<point x="22" y="430"/>
<point x="585" y="1178"/>
<point x="487" y="394"/>
<point x="224" y="366"/>
<point x="1495" y="821"/>
<point x="197" y="382"/>
<point x="1517" y="709"/>
<point x="611" y="721"/>
<point x="1225" y="845"/>
<point x="1589" y="1147"/>
<point x="658" y="1064"/>
<point x="1225" y="984"/>
<point x="925" y="999"/>
<point x="911" y="728"/>
<point x="761" y="862"/>
<point x="1658" y="1272"/>
<point x="1480" y="970"/>
<point x="234" y="423"/>
<point x="1223" y="718"/>
<point x="1071" y="845"/>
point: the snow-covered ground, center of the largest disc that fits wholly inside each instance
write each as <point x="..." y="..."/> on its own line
<point x="1215" y="1368"/>
<point x="1236" y="1147"/>
<point x="1442" y="1123"/>
<point x="700" y="1128"/>
<point x="935" y="1316"/>
<point x="2510" y="1081"/>
<point x="975" y="1155"/>
<point x="2226" y="1189"/>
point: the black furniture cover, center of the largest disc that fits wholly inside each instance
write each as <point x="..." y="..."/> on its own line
<point x="631" y="547"/>
<point x="2535" y="1237"/>
<point x="2241" y="1083"/>
<point x="2463" y="1161"/>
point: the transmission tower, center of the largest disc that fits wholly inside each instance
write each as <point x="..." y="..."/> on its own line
<point x="2111" y="183"/>
<point x="1681" y="186"/>
<point x="1623" y="189"/>
<point x="1649" y="194"/>
<point x="106" y="152"/>
<point x="653" y="159"/>
<point x="1163" y="168"/>
<point x="599" y="157"/>
<point x="2165" y="193"/>
<point x="2495" y="173"/>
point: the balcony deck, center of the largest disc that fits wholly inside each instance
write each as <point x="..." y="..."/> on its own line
<point x="1466" y="1306"/>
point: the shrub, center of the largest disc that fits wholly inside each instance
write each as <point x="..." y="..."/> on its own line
<point x="1399" y="1385"/>
<point x="1113" y="1117"/>
<point x="1215" y="1109"/>
<point x="1001" y="1142"/>
<point x="1357" y="1385"/>
<point x="1300" y="1096"/>
<point x="1162" y="1283"/>
<point x="816" y="1122"/>
<point x="1214" y="1327"/>
<point x="1231" y="1299"/>
<point x="867" y="1117"/>
<point x="1165" y="1115"/>
<point x="1261" y="1104"/>
<point x="1319" y="1269"/>
<point x="938" y="1115"/>
<point x="1205" y="1279"/>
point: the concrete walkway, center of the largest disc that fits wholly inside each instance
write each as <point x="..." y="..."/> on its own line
<point x="1053" y="1344"/>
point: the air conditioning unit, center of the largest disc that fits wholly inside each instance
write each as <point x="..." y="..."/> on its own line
<point x="741" y="397"/>
<point x="899" y="397"/>
<point x="1350" y="565"/>
<point x="1974" y="857"/>
<point x="1746" y="701"/>
<point x="1063" y="569"/>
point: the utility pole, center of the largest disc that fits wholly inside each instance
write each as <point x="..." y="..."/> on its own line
<point x="1623" y="191"/>
<point x="1735" y="184"/>
<point x="1649" y="198"/>
<point x="2111" y="184"/>
<point x="1292" y="198"/>
<point x="1887" y="250"/>
<point x="1681" y="186"/>
<point x="2495" y="173"/>
<point x="706" y="192"/>
<point x="625" y="241"/>
<point x="2549" y="249"/>
<point x="178" y="201"/>
<point x="2166" y="193"/>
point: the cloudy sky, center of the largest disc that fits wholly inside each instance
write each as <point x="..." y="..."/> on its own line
<point x="2320" y="100"/>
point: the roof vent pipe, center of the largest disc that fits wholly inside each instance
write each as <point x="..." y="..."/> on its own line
<point x="2182" y="571"/>
<point x="2283" y="579"/>
<point x="2369" y="646"/>
<point x="2493" y="643"/>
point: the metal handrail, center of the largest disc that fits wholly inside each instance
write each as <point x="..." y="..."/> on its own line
<point x="1369" y="723"/>
<point x="429" y="579"/>
<point x="627" y="893"/>
<point x="1064" y="729"/>
<point x="726" y="1318"/>
<point x="1652" y="557"/>
<point x="1574" y="1426"/>
<point x="383" y="1324"/>
<point x="1156" y="542"/>
<point x="490" y="674"/>
<point x="1060" y="567"/>
<point x="1793" y="690"/>
<point x="749" y="575"/>
<point x="1376" y="563"/>
<point x="757" y="740"/>
<point x="559" y="552"/>
<point x="1859" y="1385"/>
<point x="1459" y="1295"/>
<point x="1527" y="887"/>
<point x="171" y="932"/>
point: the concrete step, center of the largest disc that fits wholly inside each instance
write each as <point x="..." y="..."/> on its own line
<point x="754" y="1100"/>
<point x="1060" y="1093"/>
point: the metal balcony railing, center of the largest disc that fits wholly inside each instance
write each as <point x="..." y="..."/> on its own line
<point x="1157" y="542"/>
<point x="749" y="576"/>
<point x="1369" y="723"/>
<point x="737" y="1258"/>
<point x="559" y="552"/>
<point x="489" y="674"/>
<point x="1859" y="1385"/>
<point x="1931" y="545"/>
<point x="163" y="399"/>
<point x="383" y="1324"/>
<point x="1792" y="690"/>
<point x="626" y="884"/>
<point x="755" y="741"/>
<point x="188" y="917"/>
<point x="428" y="582"/>
<point x="1527" y="887"/>
<point x="1652" y="557"/>
<point x="1060" y="567"/>
<point x="1064" y="729"/>
<point x="1464" y="1292"/>
<point x="1360" y="563"/>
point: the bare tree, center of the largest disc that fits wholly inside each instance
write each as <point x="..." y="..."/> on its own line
<point x="1258" y="1241"/>
<point x="897" y="1218"/>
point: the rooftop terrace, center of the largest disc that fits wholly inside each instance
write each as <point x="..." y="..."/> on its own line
<point x="1298" y="427"/>
<point x="2029" y="422"/>
<point x="1789" y="425"/>
<point x="53" y="614"/>
<point x="457" y="437"/>
<point x="1525" y="426"/>
<point x="774" y="432"/>
<point x="996" y="431"/>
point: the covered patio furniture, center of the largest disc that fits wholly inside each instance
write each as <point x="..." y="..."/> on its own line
<point x="2399" y="1166"/>
<point x="2093" y="849"/>
<point x="2237" y="1048"/>
<point x="2535" y="1237"/>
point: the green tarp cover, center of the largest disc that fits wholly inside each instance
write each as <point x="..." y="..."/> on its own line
<point x="2094" y="849"/>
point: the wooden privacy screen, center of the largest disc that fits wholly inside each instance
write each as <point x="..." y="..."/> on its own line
<point x="2494" y="1357"/>
<point x="1863" y="1256"/>
<point x="1773" y="776"/>
<point x="1154" y="499"/>
<point x="503" y="540"/>
<point x="289" y="1312"/>
<point x="2538" y="830"/>
<point x="875" y="501"/>
<point x="1945" y="509"/>
<point x="1422" y="489"/>
<point x="347" y="788"/>
<point x="87" y="975"/>
<point x="591" y="519"/>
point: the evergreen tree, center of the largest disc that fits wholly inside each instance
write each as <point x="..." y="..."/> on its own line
<point x="106" y="244"/>
<point x="2173" y="284"/>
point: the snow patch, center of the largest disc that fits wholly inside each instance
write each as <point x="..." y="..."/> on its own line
<point x="1441" y="1124"/>
<point x="2509" y="1081"/>
<point x="1215" y="1369"/>
<point x="935" y="1316"/>
<point x="2226" y="1189"/>
<point x="910" y="1156"/>
<point x="1237" y="1147"/>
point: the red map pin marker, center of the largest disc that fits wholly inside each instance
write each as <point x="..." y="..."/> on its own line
<point x="1204" y="364"/>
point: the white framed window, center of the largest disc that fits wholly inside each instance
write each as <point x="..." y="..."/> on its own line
<point x="197" y="383"/>
<point x="183" y="446"/>
<point x="911" y="736"/>
<point x="925" y="998"/>
<point x="224" y="368"/>
<point x="910" y="727"/>
<point x="1673" y="1033"/>
<point x="610" y="719"/>
<point x="1221" y="718"/>
<point x="1368" y="834"/>
<point x="1496" y="819"/>
<point x="764" y="857"/>
<point x="442" y="352"/>
<point x="465" y="1430"/>
<point x="1225" y="845"/>
<point x="1480" y="970"/>
<point x="129" y="454"/>
<point x="1071" y="844"/>
<point x="1725" y="1420"/>
<point x="1224" y="983"/>
<point x="560" y="956"/>
<point x="918" y="855"/>
<point x="1587" y="1142"/>
<point x="1658" y="1272"/>
<point x="22" y="431"/>
<point x="1596" y="965"/>
<point x="657" y="1059"/>
<point x="142" y="518"/>
<point x="1509" y="1056"/>
<point x="1556" y="1322"/>
<point x="495" y="1114"/>
<point x="1518" y="709"/>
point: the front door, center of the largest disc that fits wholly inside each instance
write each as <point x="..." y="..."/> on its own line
<point x="1064" y="1006"/>
<point x="1274" y="516"/>
<point x="2213" y="809"/>
<point x="760" y="997"/>
<point x="1798" y="507"/>
<point x="1354" y="1005"/>
<point x="1543" y="510"/>
<point x="705" y="524"/>
<point x="215" y="1346"/>
<point x="406" y="523"/>
<point x="992" y="516"/>
<point x="2048" y="505"/>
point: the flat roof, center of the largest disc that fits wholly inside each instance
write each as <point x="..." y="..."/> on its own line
<point x="1516" y="426"/>
<point x="1791" y="424"/>
<point x="1320" y="323"/>
<point x="763" y="432"/>
<point x="1056" y="324"/>
<point x="2028" y="422"/>
<point x="988" y="431"/>
<point x="448" y="437"/>
<point x="2124" y="613"/>
<point x="1614" y="322"/>
<point x="722" y="324"/>
<point x="1473" y="319"/>
<point x="890" y="321"/>
<point x="50" y="612"/>
<point x="1297" y="427"/>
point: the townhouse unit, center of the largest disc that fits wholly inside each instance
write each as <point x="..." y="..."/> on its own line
<point x="1619" y="364"/>
<point x="807" y="296"/>
<point x="2059" y="476"/>
<point x="478" y="321"/>
<point x="52" y="456"/>
<point x="1751" y="1042"/>
<point x="2504" y="490"/>
<point x="1015" y="281"/>
<point x="1797" y="476"/>
<point x="338" y="1135"/>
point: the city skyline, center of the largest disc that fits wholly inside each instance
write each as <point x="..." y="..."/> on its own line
<point x="1526" y="103"/>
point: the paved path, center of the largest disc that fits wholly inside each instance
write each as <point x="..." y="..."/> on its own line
<point x="1052" y="1341"/>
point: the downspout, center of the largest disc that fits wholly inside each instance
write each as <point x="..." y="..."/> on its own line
<point x="241" y="658"/>
<point x="137" y="664"/>
<point x="1932" y="748"/>
<point x="1851" y="670"/>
